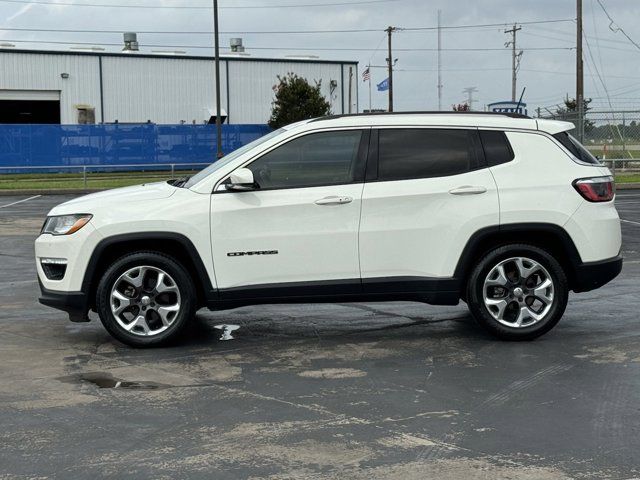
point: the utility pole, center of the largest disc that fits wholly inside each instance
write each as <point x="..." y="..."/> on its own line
<point x="217" y="68"/>
<point x="470" y="91"/>
<point x="439" y="60"/>
<point x="579" y="74"/>
<point x="515" y="60"/>
<point x="389" y="31"/>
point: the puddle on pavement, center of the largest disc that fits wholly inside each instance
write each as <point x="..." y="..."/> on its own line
<point x="106" y="380"/>
<point x="226" y="331"/>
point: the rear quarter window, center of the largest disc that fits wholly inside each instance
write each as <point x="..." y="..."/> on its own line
<point x="497" y="149"/>
<point x="576" y="148"/>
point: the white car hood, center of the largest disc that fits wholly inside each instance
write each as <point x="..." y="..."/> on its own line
<point x="131" y="195"/>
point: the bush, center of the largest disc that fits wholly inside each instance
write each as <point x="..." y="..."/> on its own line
<point x="296" y="100"/>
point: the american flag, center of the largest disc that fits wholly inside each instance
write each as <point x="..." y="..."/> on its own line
<point x="366" y="75"/>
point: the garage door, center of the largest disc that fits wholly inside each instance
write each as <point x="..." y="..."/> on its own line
<point x="30" y="106"/>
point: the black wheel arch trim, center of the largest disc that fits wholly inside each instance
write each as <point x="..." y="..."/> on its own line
<point x="209" y="292"/>
<point x="577" y="268"/>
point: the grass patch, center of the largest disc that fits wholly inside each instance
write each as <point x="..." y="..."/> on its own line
<point x="628" y="178"/>
<point x="59" y="181"/>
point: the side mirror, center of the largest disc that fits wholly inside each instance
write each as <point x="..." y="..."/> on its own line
<point x="241" y="180"/>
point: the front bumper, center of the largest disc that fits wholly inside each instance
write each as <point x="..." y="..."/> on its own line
<point x="592" y="275"/>
<point x="76" y="304"/>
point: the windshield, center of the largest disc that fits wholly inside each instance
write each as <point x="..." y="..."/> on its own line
<point x="575" y="147"/>
<point x="230" y="157"/>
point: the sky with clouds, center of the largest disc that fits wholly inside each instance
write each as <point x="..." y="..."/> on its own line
<point x="472" y="56"/>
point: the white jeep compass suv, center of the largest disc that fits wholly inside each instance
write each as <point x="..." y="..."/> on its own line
<point x="504" y="212"/>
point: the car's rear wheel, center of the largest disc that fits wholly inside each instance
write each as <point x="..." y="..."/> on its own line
<point x="145" y="299"/>
<point x="517" y="292"/>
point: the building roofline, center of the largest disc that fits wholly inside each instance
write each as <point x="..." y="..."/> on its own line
<point x="232" y="58"/>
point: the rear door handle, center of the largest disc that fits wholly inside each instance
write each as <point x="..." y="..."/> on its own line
<point x="467" y="190"/>
<point x="334" y="200"/>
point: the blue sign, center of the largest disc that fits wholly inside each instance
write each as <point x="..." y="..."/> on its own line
<point x="508" y="107"/>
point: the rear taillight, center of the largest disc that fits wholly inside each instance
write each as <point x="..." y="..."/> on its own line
<point x="596" y="189"/>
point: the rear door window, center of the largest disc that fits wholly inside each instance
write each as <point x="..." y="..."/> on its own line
<point x="576" y="148"/>
<point x="410" y="153"/>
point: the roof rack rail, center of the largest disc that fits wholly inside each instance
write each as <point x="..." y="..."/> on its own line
<point x="437" y="112"/>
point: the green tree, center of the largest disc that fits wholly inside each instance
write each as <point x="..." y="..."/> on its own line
<point x="296" y="100"/>
<point x="461" y="107"/>
<point x="570" y="112"/>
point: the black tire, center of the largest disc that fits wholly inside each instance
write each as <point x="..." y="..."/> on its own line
<point x="480" y="311"/>
<point x="182" y="279"/>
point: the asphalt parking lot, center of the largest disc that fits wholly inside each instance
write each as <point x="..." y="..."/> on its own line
<point x="361" y="391"/>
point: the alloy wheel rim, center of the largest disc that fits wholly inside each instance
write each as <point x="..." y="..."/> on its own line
<point x="518" y="292"/>
<point x="145" y="301"/>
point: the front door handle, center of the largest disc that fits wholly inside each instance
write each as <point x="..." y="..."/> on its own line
<point x="334" y="200"/>
<point x="467" y="190"/>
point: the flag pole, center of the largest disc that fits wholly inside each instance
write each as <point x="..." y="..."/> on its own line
<point x="369" y="67"/>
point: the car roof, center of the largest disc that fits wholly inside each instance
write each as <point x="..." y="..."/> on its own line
<point x="443" y="119"/>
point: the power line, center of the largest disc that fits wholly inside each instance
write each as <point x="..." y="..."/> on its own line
<point x="572" y="34"/>
<point x="195" y="7"/>
<point x="203" y="32"/>
<point x="483" y="25"/>
<point x="560" y="72"/>
<point x="615" y="28"/>
<point x="273" y="32"/>
<point x="286" y="48"/>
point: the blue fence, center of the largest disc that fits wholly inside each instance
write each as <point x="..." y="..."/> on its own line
<point x="109" y="146"/>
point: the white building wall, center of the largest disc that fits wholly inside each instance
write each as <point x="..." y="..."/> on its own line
<point x="167" y="90"/>
<point x="41" y="72"/>
<point x="163" y="90"/>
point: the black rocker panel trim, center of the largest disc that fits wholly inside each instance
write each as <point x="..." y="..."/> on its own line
<point x="420" y="289"/>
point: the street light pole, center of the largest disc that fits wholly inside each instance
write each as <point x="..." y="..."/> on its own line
<point x="217" y="68"/>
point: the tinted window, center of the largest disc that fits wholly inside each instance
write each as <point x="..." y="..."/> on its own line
<point x="576" y="148"/>
<point x="230" y="157"/>
<point x="496" y="147"/>
<point x="424" y="153"/>
<point x="326" y="158"/>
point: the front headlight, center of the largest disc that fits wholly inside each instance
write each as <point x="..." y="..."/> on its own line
<point x="65" y="224"/>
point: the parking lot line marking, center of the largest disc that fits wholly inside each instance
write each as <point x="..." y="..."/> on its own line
<point x="20" y="201"/>
<point x="629" y="221"/>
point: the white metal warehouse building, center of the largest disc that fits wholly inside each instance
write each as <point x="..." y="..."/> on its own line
<point x="89" y="87"/>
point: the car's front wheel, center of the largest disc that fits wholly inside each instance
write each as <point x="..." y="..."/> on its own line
<point x="517" y="292"/>
<point x="145" y="299"/>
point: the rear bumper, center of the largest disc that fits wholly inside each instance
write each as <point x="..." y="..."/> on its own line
<point x="592" y="275"/>
<point x="76" y="304"/>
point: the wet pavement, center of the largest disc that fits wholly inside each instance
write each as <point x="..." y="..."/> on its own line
<point x="387" y="390"/>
